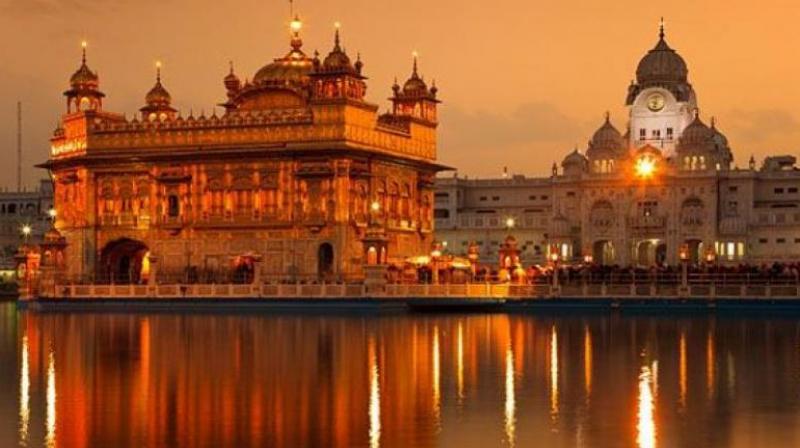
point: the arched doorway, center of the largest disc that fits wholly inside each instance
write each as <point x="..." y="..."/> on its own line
<point x="325" y="261"/>
<point x="123" y="261"/>
<point x="603" y="252"/>
<point x="645" y="253"/>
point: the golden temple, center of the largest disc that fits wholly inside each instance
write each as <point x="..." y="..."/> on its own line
<point x="284" y="183"/>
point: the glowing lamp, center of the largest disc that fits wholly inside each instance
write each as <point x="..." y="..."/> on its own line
<point x="296" y="25"/>
<point x="554" y="257"/>
<point x="26" y="230"/>
<point x="645" y="167"/>
<point x="436" y="253"/>
<point x="587" y="259"/>
<point x="684" y="253"/>
<point x="375" y="206"/>
<point x="52" y="213"/>
<point x="510" y="223"/>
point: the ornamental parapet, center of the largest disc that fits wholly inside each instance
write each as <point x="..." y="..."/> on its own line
<point x="299" y="127"/>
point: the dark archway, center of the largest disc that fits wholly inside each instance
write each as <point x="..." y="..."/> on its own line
<point x="244" y="270"/>
<point x="325" y="260"/>
<point x="123" y="261"/>
<point x="695" y="247"/>
<point x="661" y="254"/>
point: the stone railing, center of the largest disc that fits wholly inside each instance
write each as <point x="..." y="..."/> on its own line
<point x="499" y="291"/>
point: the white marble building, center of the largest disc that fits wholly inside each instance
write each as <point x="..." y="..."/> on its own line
<point x="666" y="182"/>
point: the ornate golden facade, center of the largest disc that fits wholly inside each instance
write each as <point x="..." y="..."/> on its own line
<point x="290" y="174"/>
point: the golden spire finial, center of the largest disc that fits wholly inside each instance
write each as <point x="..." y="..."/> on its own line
<point x="230" y="64"/>
<point x="294" y="27"/>
<point x="336" y="25"/>
<point x="84" y="44"/>
<point x="661" y="29"/>
<point x="415" y="55"/>
<point x="158" y="71"/>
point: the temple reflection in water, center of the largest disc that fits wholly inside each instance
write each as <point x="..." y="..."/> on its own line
<point x="241" y="380"/>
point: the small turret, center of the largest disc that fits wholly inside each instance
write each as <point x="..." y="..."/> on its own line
<point x="337" y="78"/>
<point x="415" y="99"/>
<point x="84" y="92"/>
<point x="158" y="101"/>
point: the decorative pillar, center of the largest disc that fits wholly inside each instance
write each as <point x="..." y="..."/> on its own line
<point x="510" y="266"/>
<point x="684" y="255"/>
<point x="473" y="255"/>
<point x="151" y="279"/>
<point x="375" y="244"/>
<point x="52" y="262"/>
<point x="27" y="262"/>
<point x="556" y="287"/>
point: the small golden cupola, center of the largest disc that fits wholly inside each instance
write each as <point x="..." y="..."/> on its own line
<point x="415" y="99"/>
<point x="84" y="93"/>
<point x="158" y="101"/>
<point x="337" y="78"/>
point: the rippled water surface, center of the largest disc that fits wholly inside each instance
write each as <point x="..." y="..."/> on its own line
<point x="297" y="380"/>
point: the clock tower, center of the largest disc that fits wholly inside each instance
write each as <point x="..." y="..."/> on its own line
<point x="661" y="102"/>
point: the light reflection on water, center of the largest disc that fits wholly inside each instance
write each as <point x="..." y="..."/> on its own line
<point x="374" y="397"/>
<point x="645" y="425"/>
<point x="396" y="380"/>
<point x="511" y="399"/>
<point x="24" y="394"/>
<point x="50" y="420"/>
<point x="554" y="374"/>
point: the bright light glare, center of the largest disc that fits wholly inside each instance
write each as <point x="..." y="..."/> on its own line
<point x="645" y="167"/>
<point x="296" y="25"/>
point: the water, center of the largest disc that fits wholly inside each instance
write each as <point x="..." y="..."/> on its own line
<point x="210" y="380"/>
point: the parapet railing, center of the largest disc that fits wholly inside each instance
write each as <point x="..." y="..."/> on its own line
<point x="403" y="291"/>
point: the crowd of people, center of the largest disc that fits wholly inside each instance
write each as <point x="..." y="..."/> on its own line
<point x="662" y="274"/>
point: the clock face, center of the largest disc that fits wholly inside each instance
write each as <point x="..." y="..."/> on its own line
<point x="655" y="102"/>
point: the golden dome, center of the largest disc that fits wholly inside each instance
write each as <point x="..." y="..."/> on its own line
<point x="293" y="68"/>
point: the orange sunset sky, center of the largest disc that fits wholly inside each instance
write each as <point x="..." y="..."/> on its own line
<point x="523" y="81"/>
